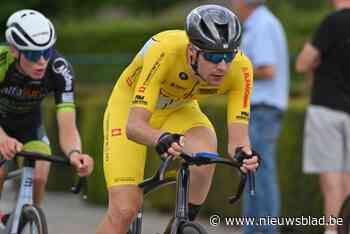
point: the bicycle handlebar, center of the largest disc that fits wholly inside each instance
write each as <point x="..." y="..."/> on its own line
<point x="51" y="158"/>
<point x="205" y="158"/>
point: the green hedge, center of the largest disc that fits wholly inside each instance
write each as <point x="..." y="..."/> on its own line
<point x="300" y="192"/>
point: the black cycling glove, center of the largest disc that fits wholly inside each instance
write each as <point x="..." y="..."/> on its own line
<point x="240" y="155"/>
<point x="165" y="140"/>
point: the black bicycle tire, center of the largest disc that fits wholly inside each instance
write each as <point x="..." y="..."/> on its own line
<point x="32" y="213"/>
<point x="185" y="228"/>
<point x="345" y="215"/>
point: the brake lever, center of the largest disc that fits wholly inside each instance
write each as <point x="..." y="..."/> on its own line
<point x="80" y="185"/>
<point x="251" y="183"/>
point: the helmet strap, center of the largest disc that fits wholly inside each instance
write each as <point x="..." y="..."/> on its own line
<point x="18" y="61"/>
<point x="194" y="66"/>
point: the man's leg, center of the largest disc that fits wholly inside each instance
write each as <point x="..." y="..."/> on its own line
<point x="346" y="184"/>
<point x="123" y="162"/>
<point x="41" y="173"/>
<point x="333" y="194"/>
<point x="123" y="206"/>
<point x="199" y="136"/>
<point x="200" y="139"/>
<point x="264" y="131"/>
<point x="41" y="170"/>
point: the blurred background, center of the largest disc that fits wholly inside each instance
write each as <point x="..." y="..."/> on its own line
<point x="101" y="37"/>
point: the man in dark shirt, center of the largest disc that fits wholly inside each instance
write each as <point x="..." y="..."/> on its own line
<point x="327" y="126"/>
<point x="30" y="69"/>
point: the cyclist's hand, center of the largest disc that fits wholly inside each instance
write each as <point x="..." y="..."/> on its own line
<point x="83" y="163"/>
<point x="251" y="163"/>
<point x="170" y="144"/>
<point x="9" y="147"/>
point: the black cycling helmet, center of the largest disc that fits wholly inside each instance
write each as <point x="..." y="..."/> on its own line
<point x="213" y="28"/>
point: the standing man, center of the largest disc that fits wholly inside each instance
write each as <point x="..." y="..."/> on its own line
<point x="327" y="126"/>
<point x="30" y="69"/>
<point x="264" y="42"/>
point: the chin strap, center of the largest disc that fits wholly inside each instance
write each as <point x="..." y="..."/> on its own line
<point x="195" y="64"/>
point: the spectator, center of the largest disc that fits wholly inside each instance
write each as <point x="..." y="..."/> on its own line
<point x="264" y="42"/>
<point x="326" y="143"/>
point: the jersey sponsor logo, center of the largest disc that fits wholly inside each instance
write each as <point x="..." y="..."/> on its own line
<point x="247" y="86"/>
<point x="155" y="67"/>
<point x="183" y="76"/>
<point x="116" y="131"/>
<point x="243" y="116"/>
<point x="68" y="97"/>
<point x="139" y="99"/>
<point x="131" y="79"/>
<point x="165" y="101"/>
<point x="12" y="91"/>
<point x="31" y="92"/>
<point x="172" y="84"/>
<point x="124" y="179"/>
<point x="208" y="91"/>
<point x="141" y="89"/>
<point x="60" y="66"/>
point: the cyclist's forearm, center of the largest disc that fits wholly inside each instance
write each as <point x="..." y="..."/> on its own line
<point x="142" y="133"/>
<point x="69" y="140"/>
<point x="69" y="137"/>
<point x="238" y="136"/>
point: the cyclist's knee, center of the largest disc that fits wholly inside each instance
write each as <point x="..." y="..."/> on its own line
<point x="124" y="204"/>
<point x="40" y="178"/>
<point x="122" y="214"/>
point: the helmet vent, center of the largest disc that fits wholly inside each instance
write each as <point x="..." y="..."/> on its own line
<point x="223" y="32"/>
<point x="17" y="39"/>
<point x="205" y="28"/>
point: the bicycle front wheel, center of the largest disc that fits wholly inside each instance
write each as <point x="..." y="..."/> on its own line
<point x="191" y="228"/>
<point x="33" y="221"/>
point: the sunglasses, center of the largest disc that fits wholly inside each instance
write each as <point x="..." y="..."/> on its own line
<point x="35" y="55"/>
<point x="217" y="57"/>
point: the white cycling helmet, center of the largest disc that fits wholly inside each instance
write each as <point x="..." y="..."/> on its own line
<point x="30" y="30"/>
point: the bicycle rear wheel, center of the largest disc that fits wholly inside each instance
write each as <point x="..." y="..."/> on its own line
<point x="33" y="221"/>
<point x="345" y="214"/>
<point x="191" y="228"/>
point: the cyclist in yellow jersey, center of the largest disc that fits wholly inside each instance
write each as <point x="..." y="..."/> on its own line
<point x="154" y="103"/>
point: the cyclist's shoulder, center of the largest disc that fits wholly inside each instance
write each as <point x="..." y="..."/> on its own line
<point x="171" y="41"/>
<point x="59" y="65"/>
<point x="241" y="61"/>
<point x="5" y="55"/>
<point x="6" y="59"/>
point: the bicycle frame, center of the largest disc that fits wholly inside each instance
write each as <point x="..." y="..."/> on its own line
<point x="25" y="194"/>
<point x="26" y="186"/>
<point x="161" y="178"/>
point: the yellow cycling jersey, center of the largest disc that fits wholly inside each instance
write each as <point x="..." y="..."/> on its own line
<point x="160" y="77"/>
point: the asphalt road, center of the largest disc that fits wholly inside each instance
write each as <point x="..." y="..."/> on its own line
<point x="67" y="213"/>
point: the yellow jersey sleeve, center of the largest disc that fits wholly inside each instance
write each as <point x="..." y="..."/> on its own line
<point x="238" y="109"/>
<point x="155" y="66"/>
